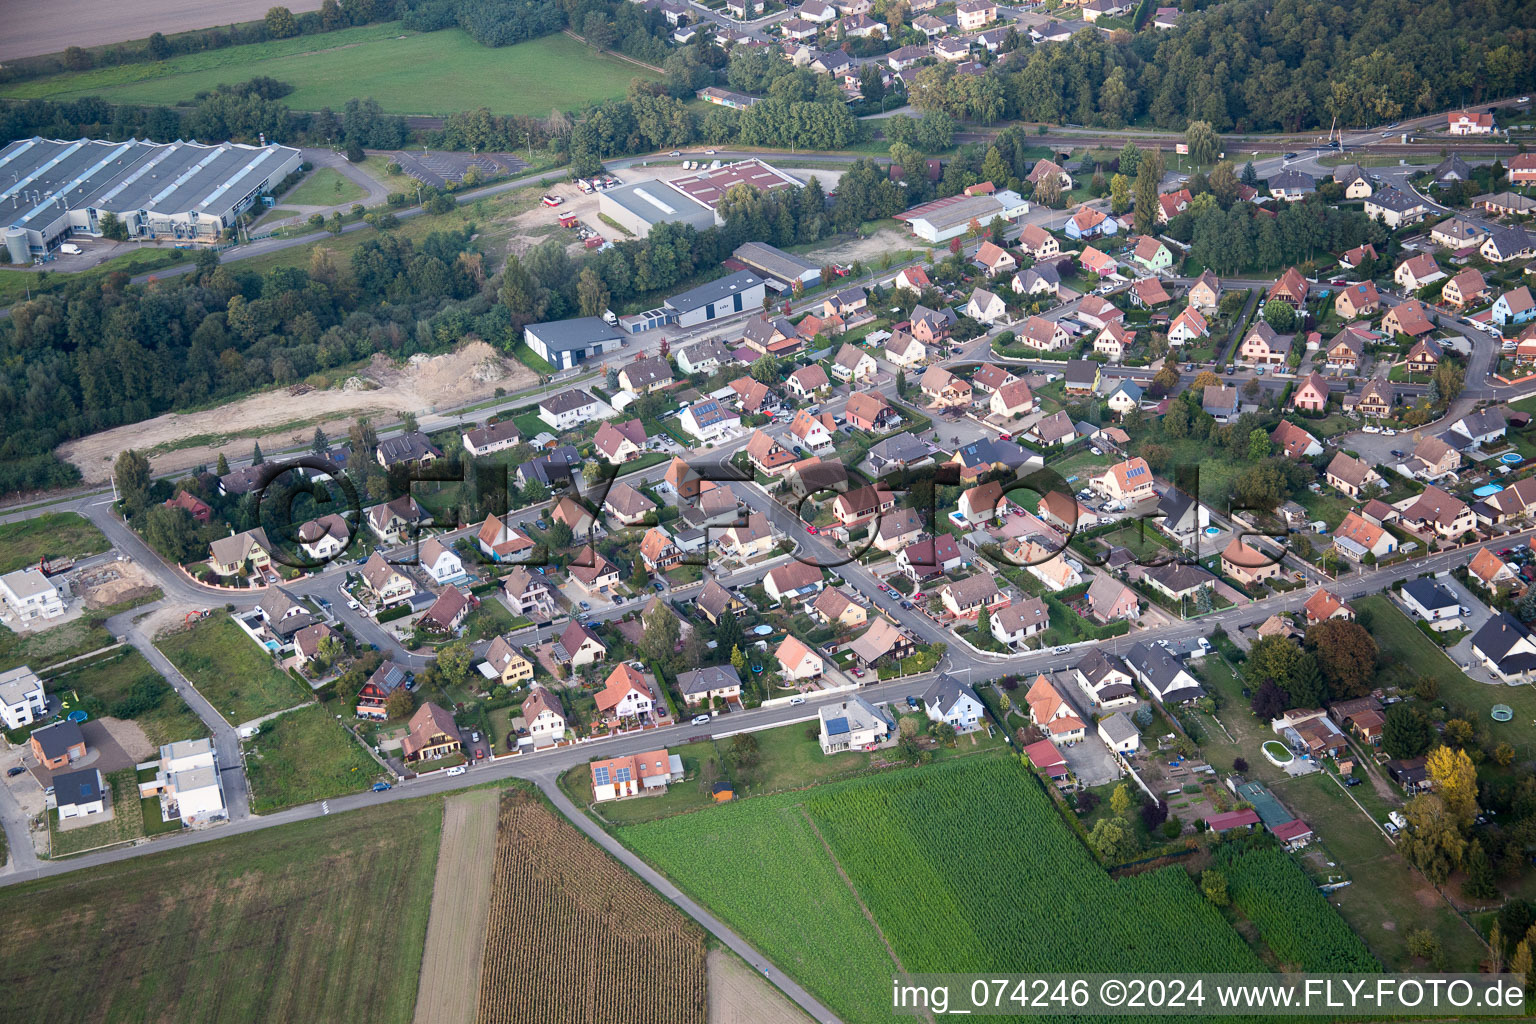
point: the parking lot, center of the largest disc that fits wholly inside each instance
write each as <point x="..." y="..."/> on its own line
<point x="437" y="167"/>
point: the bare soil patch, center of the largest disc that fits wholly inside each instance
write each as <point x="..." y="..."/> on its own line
<point x="285" y="417"/>
<point x="461" y="901"/>
<point x="33" y="29"/>
<point x="112" y="583"/>
<point x="130" y="737"/>
<point x="739" y="995"/>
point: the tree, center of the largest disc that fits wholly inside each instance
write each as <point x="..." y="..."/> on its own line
<point x="765" y="369"/>
<point x="1306" y="688"/>
<point x="1479" y="883"/>
<point x="1279" y="315"/>
<point x="1223" y="182"/>
<point x="1154" y="813"/>
<point x="1110" y="840"/>
<point x="1048" y="190"/>
<point x="742" y="754"/>
<point x="400" y="703"/>
<point x="1434" y="843"/>
<point x="1120" y="800"/>
<point x="559" y="535"/>
<point x="173" y="532"/>
<point x="1449" y="379"/>
<point x="517" y="294"/>
<point x="453" y="662"/>
<point x="661" y="629"/>
<point x="1130" y="159"/>
<point x="1250" y="177"/>
<point x="409" y="424"/>
<point x="727" y="632"/>
<point x="133" y="483"/>
<point x="1455" y="782"/>
<point x="1405" y="732"/>
<point x="1521" y="962"/>
<point x="592" y="294"/>
<point x="1423" y="944"/>
<point x="709" y="774"/>
<point x="1204" y="379"/>
<point x="1119" y="194"/>
<point x="738" y="660"/>
<point x="1203" y="142"/>
<point x="1273" y="657"/>
<point x="320" y="444"/>
<point x="222" y="468"/>
<point x="281" y="23"/>
<point x="1268" y="701"/>
<point x="984" y="622"/>
<point x="256" y="457"/>
<point x="1214" y="885"/>
<point x="1346" y="653"/>
<point x="112" y="228"/>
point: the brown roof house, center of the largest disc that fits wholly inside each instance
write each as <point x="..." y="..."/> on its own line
<point x="432" y="734"/>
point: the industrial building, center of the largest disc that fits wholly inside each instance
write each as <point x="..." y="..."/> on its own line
<point x="780" y="268"/>
<point x="51" y="189"/>
<point x="568" y="343"/>
<point x="943" y="219"/>
<point x="735" y="293"/>
<point x="710" y="186"/>
<point x="639" y="207"/>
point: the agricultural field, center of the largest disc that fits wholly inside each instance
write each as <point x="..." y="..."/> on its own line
<point x="575" y="938"/>
<point x="319" y="921"/>
<point x="407" y="72"/>
<point x="304" y="756"/>
<point x="53" y="535"/>
<point x="231" y="672"/>
<point x="1294" y="919"/>
<point x="797" y="874"/>
<point x="461" y="901"/>
<point x="124" y="685"/>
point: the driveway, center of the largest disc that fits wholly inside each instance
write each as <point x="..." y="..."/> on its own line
<point x="1461" y="654"/>
<point x="1091" y="762"/>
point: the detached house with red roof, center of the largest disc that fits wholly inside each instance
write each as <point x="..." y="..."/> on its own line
<point x="1465" y="122"/>
<point x="1311" y="395"/>
<point x="995" y="260"/>
<point x="1189" y="325"/>
<point x="1291" y="289"/>
<point x="1053" y="712"/>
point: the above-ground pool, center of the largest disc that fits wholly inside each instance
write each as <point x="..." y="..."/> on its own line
<point x="1487" y="489"/>
<point x="1511" y="458"/>
<point x="1277" y="752"/>
<point x="1502" y="712"/>
<point x="1211" y="531"/>
<point x="77" y="716"/>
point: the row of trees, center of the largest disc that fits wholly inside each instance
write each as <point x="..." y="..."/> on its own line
<point x="1251" y="66"/>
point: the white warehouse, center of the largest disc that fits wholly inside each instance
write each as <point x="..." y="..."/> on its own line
<point x="50" y="189"/>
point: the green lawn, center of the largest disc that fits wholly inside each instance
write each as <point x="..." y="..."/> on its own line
<point x="489" y="620"/>
<point x="16" y="284"/>
<point x="305" y="756"/>
<point x="1386" y="898"/>
<point x="235" y="675"/>
<point x="126" y="825"/>
<point x="1409" y="654"/>
<point x="72" y="639"/>
<point x="325" y="187"/>
<point x="407" y="72"/>
<point x="318" y="921"/>
<point x="124" y="685"/>
<point x="52" y="535"/>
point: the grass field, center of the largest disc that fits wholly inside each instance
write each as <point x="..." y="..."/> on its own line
<point x="55" y="535"/>
<point x="124" y="685"/>
<point x="572" y="931"/>
<point x="305" y="756"/>
<point x="72" y="639"/>
<point x="325" y="187"/>
<point x="320" y="921"/>
<point x="407" y="72"/>
<point x="16" y="284"/>
<point x="962" y="865"/>
<point x="230" y="671"/>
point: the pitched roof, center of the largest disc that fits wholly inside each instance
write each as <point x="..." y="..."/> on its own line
<point x="1293" y="440"/>
<point x="619" y="684"/>
<point x="428" y="722"/>
<point x="1354" y="472"/>
<point x="878" y="640"/>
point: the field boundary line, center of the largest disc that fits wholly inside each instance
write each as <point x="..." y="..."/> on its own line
<point x="448" y="988"/>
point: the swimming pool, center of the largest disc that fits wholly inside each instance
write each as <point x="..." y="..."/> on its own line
<point x="1511" y="458"/>
<point x="1487" y="489"/>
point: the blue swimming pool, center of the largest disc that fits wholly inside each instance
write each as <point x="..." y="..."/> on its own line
<point x="1511" y="458"/>
<point x="1487" y="489"/>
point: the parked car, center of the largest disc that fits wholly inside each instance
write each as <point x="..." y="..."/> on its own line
<point x="379" y="787"/>
<point x="1061" y="650"/>
<point x="658" y="586"/>
<point x="796" y="701"/>
<point x="1353" y="780"/>
<point x="700" y="719"/>
<point x="70" y="249"/>
<point x="458" y="769"/>
<point x="15" y="771"/>
<point x="585" y="606"/>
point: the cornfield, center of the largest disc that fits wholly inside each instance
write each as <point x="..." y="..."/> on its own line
<point x="1293" y="918"/>
<point x="574" y="938"/>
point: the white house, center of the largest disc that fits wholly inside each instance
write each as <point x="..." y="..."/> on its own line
<point x="544" y="716"/>
<point x="855" y="724"/>
<point x="570" y="409"/>
<point x="709" y="421"/>
<point x="79" y="793"/>
<point x="22" y="700"/>
<point x="797" y="661"/>
<point x="1020" y="621"/>
<point x="1433" y="602"/>
<point x="188" y="783"/>
<point x="1119" y="734"/>
<point x="986" y="306"/>
<point x="440" y="562"/>
<point x="949" y="700"/>
<point x="30" y="595"/>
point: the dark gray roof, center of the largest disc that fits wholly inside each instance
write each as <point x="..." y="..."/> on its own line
<point x="568" y="335"/>
<point x="1430" y="593"/>
<point x="714" y="291"/>
<point x="945" y="692"/>
<point x="988" y="451"/>
<point x="1290" y="179"/>
<point x="901" y="448"/>
<point x="1392" y="199"/>
<point x="56" y="739"/>
<point x="1453" y="167"/>
<point x="1096" y="665"/>
<point x="407" y="448"/>
<point x="1179" y="577"/>
<point x="82" y="787"/>
<point x="553" y="466"/>
<point x="566" y="401"/>
<point x="1159" y="670"/>
<point x="702" y="680"/>
<point x="1495" y="640"/>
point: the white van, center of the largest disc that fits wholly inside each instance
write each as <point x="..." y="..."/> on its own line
<point x="70" y="249"/>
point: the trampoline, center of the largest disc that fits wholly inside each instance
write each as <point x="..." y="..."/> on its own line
<point x="1502" y="712"/>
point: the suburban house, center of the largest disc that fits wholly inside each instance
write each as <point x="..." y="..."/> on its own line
<point x="1503" y="647"/>
<point x="1508" y="243"/>
<point x="1096" y="262"/>
<point x="393" y="521"/>
<point x="1247" y="564"/>
<point x="966" y="599"/>
<point x="627" y="694"/>
<point x="1171" y="204"/>
<point x="1432" y="602"/>
<point x="1108" y="600"/>
<point x="1295" y="442"/>
<point x="1104" y="681"/>
<point x="1290" y="185"/>
<point x="410" y="447"/>
<point x="1128" y="482"/>
<point x="1433" y="458"/>
<point x="1177" y="581"/>
<point x="387" y="583"/>
<point x="1424" y="356"/>
<point x="615" y="778"/>
<point x="943" y="389"/>
<point x="1187" y="326"/>
<point x="570" y="409"/>
<point x="1119" y="734"/>
<point x="578" y="646"/>
<point x="22" y="700"/>
<point x="807" y="380"/>
<point x="1018" y="622"/>
<point x="1152" y="254"/>
<point x="199" y="510"/>
<point x="376" y="690"/>
<point x="1263" y="346"/>
<point x="853" y="364"/>
<point x="1358" y="255"/>
<point x="544" y="716"/>
<point x="868" y="410"/>
<point x="882" y="643"/>
<point x="1357" y="184"/>
<point x="715" y="602"/>
<point x="1465" y="122"/>
<point x="1039" y="243"/>
<point x="228" y="556"/>
<point x="1181" y="517"/>
<point x="1053" y="712"/>
<point x="324" y="538"/>
<point x="626" y="505"/>
<point x="1410" y="318"/>
<point x="1113" y="341"/>
<point x="645" y="375"/>
<point x="854" y="724"/>
<point x="980" y="504"/>
<point x="814" y="432"/>
<point x="1357" y="300"/>
<point x="508" y="664"/>
<point x="447" y="613"/>
<point x="1291" y="289"/>
<point x="951" y="701"/>
<point x="792" y="579"/>
<point x="1395" y="208"/>
<point x="994" y="259"/>
<point x="618" y="443"/>
<point x="79" y="794"/>
<point x="1324" y="605"/>
<point x="440" y="562"/>
<point x="797" y="662"/>
<point x="1465" y="289"/>
<point x="57" y="745"/>
<point x="1205" y="293"/>
<point x="914" y="279"/>
<point x="985" y="306"/>
<point x="749" y="540"/>
<point x="30" y="595"/>
<point x="1011" y="400"/>
<point x="1046" y="335"/>
<point x="1357" y="537"/>
<point x="1446" y="514"/>
<point x="1311" y="395"/>
<point x="835" y="608"/>
<point x="709" y="421"/>
<point x="1162" y="674"/>
<point x="904" y="350"/>
<point x="932" y="326"/>
<point x="1377" y="399"/>
<point x="1514" y="307"/>
<point x="1350" y="475"/>
<point x="502" y="543"/>
<point x="770" y="457"/>
<point x="898" y="529"/>
<point x="1417" y="271"/>
<point x="863" y="503"/>
<point x="1149" y="292"/>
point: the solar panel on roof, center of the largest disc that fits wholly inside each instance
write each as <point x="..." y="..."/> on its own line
<point x="600" y="775"/>
<point x="622" y="775"/>
<point x="837" y="726"/>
